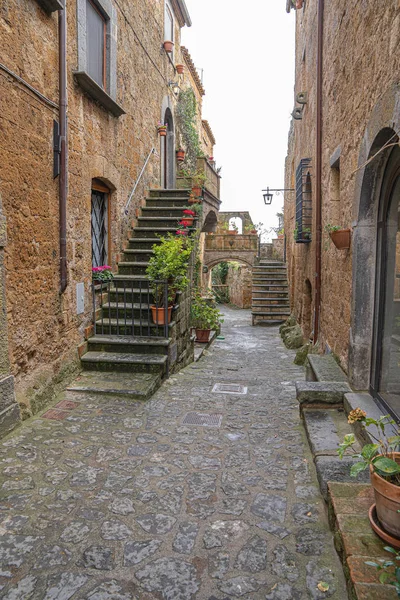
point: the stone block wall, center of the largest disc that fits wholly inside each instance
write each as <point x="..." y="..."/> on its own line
<point x="278" y="248"/>
<point x="361" y="63"/>
<point x="44" y="329"/>
<point x="239" y="280"/>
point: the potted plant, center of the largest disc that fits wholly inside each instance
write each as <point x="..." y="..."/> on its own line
<point x="281" y="234"/>
<point x="223" y="227"/>
<point x="233" y="229"/>
<point x="101" y="274"/>
<point x="188" y="216"/>
<point x="169" y="263"/>
<point x="205" y="318"/>
<point x="168" y="46"/>
<point x="180" y="69"/>
<point x="250" y="228"/>
<point x="383" y="460"/>
<point x="180" y="155"/>
<point x="390" y="570"/>
<point x="339" y="236"/>
<point x="198" y="180"/>
<point x="162" y="129"/>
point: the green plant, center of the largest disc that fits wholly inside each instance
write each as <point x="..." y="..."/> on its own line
<point x="249" y="227"/>
<point x="307" y="233"/>
<point x="102" y="273"/>
<point x="378" y="455"/>
<point x="203" y="315"/>
<point x="197" y="208"/>
<point x="223" y="226"/>
<point x="170" y="263"/>
<point x="233" y="227"/>
<point x="391" y="577"/>
<point x="329" y="228"/>
<point x="296" y="232"/>
<point x="186" y="113"/>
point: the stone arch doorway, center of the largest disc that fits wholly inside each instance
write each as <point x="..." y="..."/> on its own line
<point x="231" y="282"/>
<point x="168" y="152"/>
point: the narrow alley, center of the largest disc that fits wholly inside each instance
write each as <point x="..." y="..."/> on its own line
<point x="124" y="500"/>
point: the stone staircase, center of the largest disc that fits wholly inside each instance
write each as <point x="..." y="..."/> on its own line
<point x="141" y="348"/>
<point x="270" y="300"/>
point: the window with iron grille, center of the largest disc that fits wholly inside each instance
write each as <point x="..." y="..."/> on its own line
<point x="302" y="231"/>
<point x="99" y="224"/>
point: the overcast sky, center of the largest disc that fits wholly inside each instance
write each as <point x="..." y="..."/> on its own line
<point x="247" y="57"/>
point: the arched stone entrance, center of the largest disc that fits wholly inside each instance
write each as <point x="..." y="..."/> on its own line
<point x="381" y="130"/>
<point x="167" y="150"/>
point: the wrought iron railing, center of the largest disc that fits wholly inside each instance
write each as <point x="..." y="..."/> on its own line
<point x="126" y="307"/>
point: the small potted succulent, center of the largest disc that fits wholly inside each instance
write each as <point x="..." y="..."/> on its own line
<point x="162" y="129"/>
<point x="204" y="317"/>
<point x="383" y="460"/>
<point x="340" y="237"/>
<point x="101" y="274"/>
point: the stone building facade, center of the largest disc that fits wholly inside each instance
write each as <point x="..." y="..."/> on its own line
<point x="347" y="99"/>
<point x="119" y="86"/>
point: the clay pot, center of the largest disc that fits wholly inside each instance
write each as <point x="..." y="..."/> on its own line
<point x="341" y="238"/>
<point x="180" y="155"/>
<point x="168" y="46"/>
<point x="202" y="335"/>
<point x="158" y="315"/>
<point x="187" y="222"/>
<point x="180" y="69"/>
<point x="387" y="498"/>
<point x="197" y="189"/>
<point x="162" y="131"/>
<point x="232" y="232"/>
<point x="194" y="201"/>
<point x="299" y="4"/>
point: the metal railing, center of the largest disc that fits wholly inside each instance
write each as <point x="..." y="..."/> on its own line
<point x="152" y="151"/>
<point x="126" y="307"/>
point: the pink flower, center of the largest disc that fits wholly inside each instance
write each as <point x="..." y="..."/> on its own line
<point x="185" y="223"/>
<point x="189" y="212"/>
<point x="181" y="232"/>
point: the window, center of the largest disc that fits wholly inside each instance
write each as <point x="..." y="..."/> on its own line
<point x="100" y="224"/>
<point x="97" y="52"/>
<point x="168" y="24"/>
<point x="302" y="231"/>
<point x="96" y="44"/>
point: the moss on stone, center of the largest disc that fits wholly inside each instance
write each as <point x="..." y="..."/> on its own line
<point x="301" y="355"/>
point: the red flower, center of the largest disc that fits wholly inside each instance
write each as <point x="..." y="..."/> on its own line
<point x="185" y="223"/>
<point x="189" y="212"/>
<point x="181" y="232"/>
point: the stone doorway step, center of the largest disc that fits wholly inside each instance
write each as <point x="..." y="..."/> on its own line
<point x="325" y="402"/>
<point x="270" y="299"/>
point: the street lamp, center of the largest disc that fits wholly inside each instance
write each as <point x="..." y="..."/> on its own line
<point x="268" y="195"/>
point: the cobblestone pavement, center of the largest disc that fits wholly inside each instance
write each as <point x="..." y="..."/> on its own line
<point x="121" y="500"/>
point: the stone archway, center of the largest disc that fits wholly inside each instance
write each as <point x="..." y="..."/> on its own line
<point x="381" y="129"/>
<point x="167" y="148"/>
<point x="9" y="409"/>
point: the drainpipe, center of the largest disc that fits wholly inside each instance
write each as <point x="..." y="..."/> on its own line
<point x="63" y="180"/>
<point x="318" y="172"/>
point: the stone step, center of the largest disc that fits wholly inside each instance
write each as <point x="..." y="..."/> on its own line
<point x="163" y="211"/>
<point x="142" y="243"/>
<point x="152" y="232"/>
<point x="135" y="386"/>
<point x="140" y="312"/>
<point x="118" y="361"/>
<point x="266" y="278"/>
<point x="271" y="266"/>
<point x="173" y="193"/>
<point x="159" y="221"/>
<point x="267" y="299"/>
<point x="269" y="307"/>
<point x="107" y="326"/>
<point x="137" y="255"/>
<point x="128" y="344"/>
<point x="132" y="268"/>
<point x="280" y="315"/>
<point x="321" y="393"/>
<point x="167" y="202"/>
<point x="325" y="430"/>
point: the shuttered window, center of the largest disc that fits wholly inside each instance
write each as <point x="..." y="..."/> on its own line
<point x="99" y="225"/>
<point x="168" y="24"/>
<point x="303" y="224"/>
<point x="96" y="44"/>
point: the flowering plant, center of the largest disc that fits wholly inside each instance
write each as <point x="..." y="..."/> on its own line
<point x="189" y="213"/>
<point x="185" y="223"/>
<point x="102" y="273"/>
<point x="161" y="125"/>
<point x="181" y="232"/>
<point x="378" y="455"/>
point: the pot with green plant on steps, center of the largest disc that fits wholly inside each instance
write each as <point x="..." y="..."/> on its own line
<point x="168" y="265"/>
<point x="383" y="460"/>
<point x="204" y="317"/>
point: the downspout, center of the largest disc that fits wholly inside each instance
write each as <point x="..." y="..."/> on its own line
<point x="318" y="172"/>
<point x="63" y="180"/>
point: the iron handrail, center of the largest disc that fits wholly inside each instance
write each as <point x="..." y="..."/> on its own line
<point x="152" y="151"/>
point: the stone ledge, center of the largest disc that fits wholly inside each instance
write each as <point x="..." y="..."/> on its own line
<point x="321" y="393"/>
<point x="10" y="418"/>
<point x="348" y="505"/>
<point x="367" y="403"/>
<point x="97" y="92"/>
<point x="323" y="368"/>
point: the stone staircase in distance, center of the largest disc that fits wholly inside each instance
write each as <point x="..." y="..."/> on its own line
<point x="270" y="295"/>
<point x="129" y="355"/>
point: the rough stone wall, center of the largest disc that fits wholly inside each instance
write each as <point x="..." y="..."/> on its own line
<point x="239" y="280"/>
<point x="278" y="249"/>
<point x="44" y="329"/>
<point x="266" y="250"/>
<point x="225" y="217"/>
<point x="361" y="61"/>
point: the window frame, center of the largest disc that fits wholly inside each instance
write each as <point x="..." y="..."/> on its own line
<point x="168" y="8"/>
<point x="104" y="20"/>
<point x="99" y="186"/>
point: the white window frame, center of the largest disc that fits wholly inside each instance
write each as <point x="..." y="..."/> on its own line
<point x="168" y="8"/>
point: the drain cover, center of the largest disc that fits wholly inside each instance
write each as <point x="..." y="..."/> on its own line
<point x="229" y="388"/>
<point x="202" y="419"/>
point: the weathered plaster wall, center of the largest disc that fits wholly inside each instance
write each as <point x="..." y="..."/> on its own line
<point x="361" y="62"/>
<point x="44" y="329"/>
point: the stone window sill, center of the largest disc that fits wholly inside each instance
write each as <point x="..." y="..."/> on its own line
<point x="95" y="91"/>
<point x="51" y="5"/>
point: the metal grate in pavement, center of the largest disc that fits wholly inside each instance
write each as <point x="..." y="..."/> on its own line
<point x="229" y="388"/>
<point x="202" y="419"/>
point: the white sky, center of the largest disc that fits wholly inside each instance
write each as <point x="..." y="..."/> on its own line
<point x="247" y="52"/>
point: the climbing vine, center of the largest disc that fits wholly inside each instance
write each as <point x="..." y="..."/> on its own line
<point x="186" y="117"/>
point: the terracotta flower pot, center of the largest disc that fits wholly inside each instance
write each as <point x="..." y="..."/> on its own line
<point x="158" y="315"/>
<point x="232" y="232"/>
<point x="387" y="498"/>
<point x="162" y="131"/>
<point x="180" y="69"/>
<point x="168" y="46"/>
<point x="187" y="222"/>
<point x="196" y="189"/>
<point x="194" y="201"/>
<point x="180" y="155"/>
<point x="299" y="4"/>
<point x="341" y="238"/>
<point x="202" y="335"/>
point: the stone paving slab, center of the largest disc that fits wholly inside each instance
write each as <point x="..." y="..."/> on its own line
<point x="120" y="500"/>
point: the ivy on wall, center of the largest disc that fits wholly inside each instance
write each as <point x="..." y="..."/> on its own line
<point x="186" y="113"/>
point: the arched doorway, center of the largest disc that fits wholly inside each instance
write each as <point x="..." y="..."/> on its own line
<point x="168" y="152"/>
<point x="385" y="367"/>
